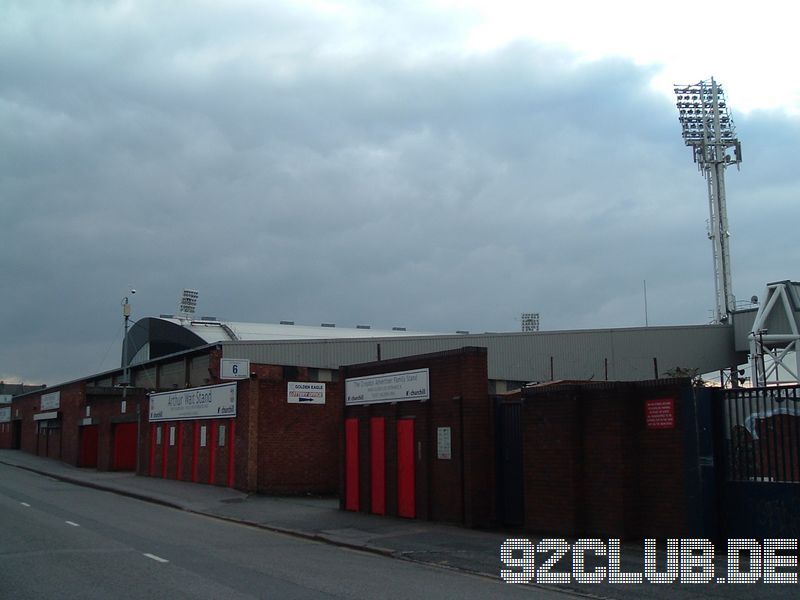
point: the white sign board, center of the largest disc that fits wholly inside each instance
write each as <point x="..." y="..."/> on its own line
<point x="5" y="398"/>
<point x="5" y="414"/>
<point x="209" y="402"/>
<point x="234" y="368"/>
<point x="51" y="401"/>
<point x="389" y="387"/>
<point x="305" y="393"/>
<point x="444" y="443"/>
<point x="46" y="416"/>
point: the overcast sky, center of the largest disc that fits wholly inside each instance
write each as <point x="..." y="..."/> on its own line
<point x="440" y="166"/>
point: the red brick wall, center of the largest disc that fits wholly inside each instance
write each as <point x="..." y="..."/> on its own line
<point x="456" y="489"/>
<point x="105" y="410"/>
<point x="278" y="447"/>
<point x="5" y="432"/>
<point x="187" y="439"/>
<point x="60" y="442"/>
<point x="298" y="444"/>
<point x="592" y="467"/>
<point x="72" y="403"/>
<point x="24" y="409"/>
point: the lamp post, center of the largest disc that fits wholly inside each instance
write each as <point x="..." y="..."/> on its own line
<point x="126" y="314"/>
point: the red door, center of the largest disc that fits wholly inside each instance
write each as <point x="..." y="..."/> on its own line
<point x="125" y="446"/>
<point x="377" y="453"/>
<point x="351" y="464"/>
<point x="88" y="450"/>
<point x="406" y="491"/>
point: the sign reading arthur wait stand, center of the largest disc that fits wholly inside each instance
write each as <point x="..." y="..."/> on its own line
<point x="388" y="387"/>
<point x="210" y="402"/>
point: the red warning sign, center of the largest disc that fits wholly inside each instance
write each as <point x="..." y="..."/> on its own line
<point x="660" y="414"/>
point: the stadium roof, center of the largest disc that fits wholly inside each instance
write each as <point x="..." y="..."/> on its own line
<point x="152" y="337"/>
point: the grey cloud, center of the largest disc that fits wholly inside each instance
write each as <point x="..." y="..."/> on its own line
<point x="247" y="158"/>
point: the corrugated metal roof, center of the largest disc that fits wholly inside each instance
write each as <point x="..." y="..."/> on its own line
<point x="616" y="354"/>
<point x="220" y="331"/>
<point x="625" y="354"/>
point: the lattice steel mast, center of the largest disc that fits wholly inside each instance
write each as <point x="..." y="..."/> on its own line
<point x="708" y="129"/>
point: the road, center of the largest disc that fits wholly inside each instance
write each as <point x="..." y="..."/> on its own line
<point x="59" y="540"/>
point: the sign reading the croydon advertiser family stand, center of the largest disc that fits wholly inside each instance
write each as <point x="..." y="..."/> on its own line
<point x="51" y="401"/>
<point x="210" y="402"/>
<point x="389" y="387"/>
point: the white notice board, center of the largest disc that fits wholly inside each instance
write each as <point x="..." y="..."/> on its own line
<point x="305" y="392"/>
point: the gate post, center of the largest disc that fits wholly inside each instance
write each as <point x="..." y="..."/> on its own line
<point x="700" y="428"/>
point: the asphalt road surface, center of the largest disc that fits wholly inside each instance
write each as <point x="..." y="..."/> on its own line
<point x="59" y="540"/>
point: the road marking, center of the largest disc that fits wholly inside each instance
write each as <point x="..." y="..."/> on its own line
<point x="25" y="504"/>
<point x="72" y="523"/>
<point x="156" y="558"/>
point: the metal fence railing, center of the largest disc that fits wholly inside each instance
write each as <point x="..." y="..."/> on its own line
<point x="761" y="434"/>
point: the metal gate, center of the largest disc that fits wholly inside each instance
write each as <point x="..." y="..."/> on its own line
<point x="508" y="451"/>
<point x="758" y="436"/>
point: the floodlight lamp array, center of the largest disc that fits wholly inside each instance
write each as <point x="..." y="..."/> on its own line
<point x="188" y="302"/>
<point x="706" y="123"/>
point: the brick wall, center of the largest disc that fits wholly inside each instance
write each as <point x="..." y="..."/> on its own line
<point x="24" y="409"/>
<point x="278" y="447"/>
<point x="593" y="467"/>
<point x="297" y="443"/>
<point x="456" y="489"/>
<point x="59" y="442"/>
<point x="6" y="427"/>
<point x="105" y="412"/>
<point x="5" y="433"/>
<point x="175" y="449"/>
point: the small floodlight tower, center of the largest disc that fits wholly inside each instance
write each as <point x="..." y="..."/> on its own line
<point x="530" y="321"/>
<point x="708" y="129"/>
<point x="187" y="304"/>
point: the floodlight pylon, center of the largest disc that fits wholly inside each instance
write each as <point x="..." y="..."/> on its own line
<point x="709" y="130"/>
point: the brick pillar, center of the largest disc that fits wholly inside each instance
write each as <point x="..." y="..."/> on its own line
<point x="251" y="433"/>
